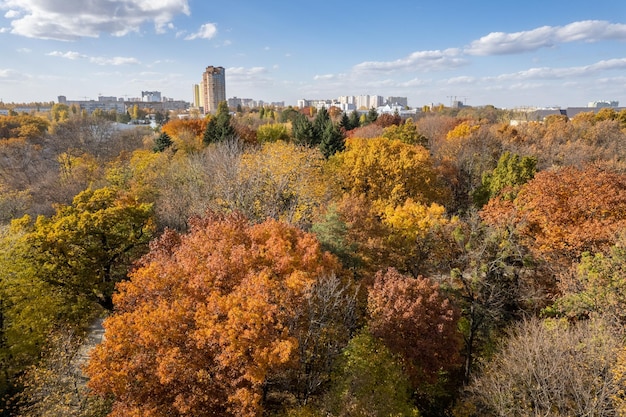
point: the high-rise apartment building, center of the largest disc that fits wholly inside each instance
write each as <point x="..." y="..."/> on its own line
<point x="213" y="88"/>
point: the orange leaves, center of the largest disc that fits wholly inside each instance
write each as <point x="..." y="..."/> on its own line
<point x="205" y="319"/>
<point x="565" y="212"/>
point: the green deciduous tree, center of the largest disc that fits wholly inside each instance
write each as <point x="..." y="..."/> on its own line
<point x="87" y="247"/>
<point x="369" y="382"/>
<point x="405" y="132"/>
<point x="506" y="179"/>
<point x="597" y="288"/>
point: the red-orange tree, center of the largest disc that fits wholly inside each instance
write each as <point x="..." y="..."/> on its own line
<point x="565" y="212"/>
<point x="416" y="321"/>
<point x="207" y="319"/>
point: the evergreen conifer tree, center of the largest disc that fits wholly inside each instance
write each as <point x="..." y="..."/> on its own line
<point x="332" y="140"/>
<point x="162" y="142"/>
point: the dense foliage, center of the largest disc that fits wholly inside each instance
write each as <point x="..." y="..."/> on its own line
<point x="309" y="262"/>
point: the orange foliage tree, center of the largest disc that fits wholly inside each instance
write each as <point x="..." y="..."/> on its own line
<point x="186" y="133"/>
<point x="207" y="319"/>
<point x="562" y="213"/>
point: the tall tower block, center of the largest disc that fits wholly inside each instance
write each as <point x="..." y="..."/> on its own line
<point x="213" y="88"/>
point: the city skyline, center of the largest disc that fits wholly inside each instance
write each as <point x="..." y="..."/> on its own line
<point x="535" y="54"/>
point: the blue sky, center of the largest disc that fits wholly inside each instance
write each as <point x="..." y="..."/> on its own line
<point x="508" y="54"/>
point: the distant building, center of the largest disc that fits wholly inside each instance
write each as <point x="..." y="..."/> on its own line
<point x="197" y="97"/>
<point x="398" y="101"/>
<point x="213" y="88"/>
<point x="601" y="104"/>
<point x="151" y="96"/>
<point x="105" y="104"/>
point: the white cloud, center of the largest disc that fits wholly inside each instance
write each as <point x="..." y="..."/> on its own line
<point x="11" y="14"/>
<point x="71" y="20"/>
<point x="67" y="55"/>
<point x="6" y="73"/>
<point x="324" y="77"/>
<point x="501" y="43"/>
<point x="565" y="73"/>
<point x="249" y="76"/>
<point x="98" y="60"/>
<point x="9" y="76"/>
<point x="206" y="31"/>
<point x="420" y="60"/>
<point x="117" y="60"/>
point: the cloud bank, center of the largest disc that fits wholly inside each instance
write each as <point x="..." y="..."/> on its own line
<point x="74" y="19"/>
<point x="500" y="43"/>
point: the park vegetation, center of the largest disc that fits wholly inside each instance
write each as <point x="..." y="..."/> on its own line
<point x="307" y="263"/>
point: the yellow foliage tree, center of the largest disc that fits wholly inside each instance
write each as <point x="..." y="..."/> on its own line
<point x="387" y="172"/>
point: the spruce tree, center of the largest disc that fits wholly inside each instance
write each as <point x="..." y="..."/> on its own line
<point x="219" y="127"/>
<point x="344" y="123"/>
<point x="302" y="131"/>
<point x="355" y="120"/>
<point x="372" y="115"/>
<point x="332" y="140"/>
<point x="322" y="118"/>
<point x="162" y="142"/>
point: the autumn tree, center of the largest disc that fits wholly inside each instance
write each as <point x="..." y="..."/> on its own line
<point x="367" y="131"/>
<point x="280" y="181"/>
<point x="405" y="132"/>
<point x="410" y="226"/>
<point x="564" y="212"/>
<point x="387" y="172"/>
<point x="22" y="127"/>
<point x="185" y="133"/>
<point x="30" y="309"/>
<point x="388" y="120"/>
<point x="204" y="321"/>
<point x="416" y="321"/>
<point x="271" y="132"/>
<point x="87" y="247"/>
<point x="550" y="369"/>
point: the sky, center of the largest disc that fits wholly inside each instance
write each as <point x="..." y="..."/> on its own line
<point x="533" y="53"/>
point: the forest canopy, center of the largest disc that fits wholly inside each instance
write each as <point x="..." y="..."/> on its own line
<point x="309" y="262"/>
